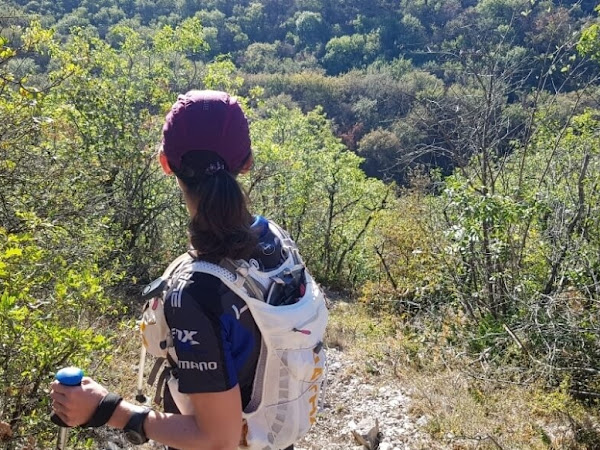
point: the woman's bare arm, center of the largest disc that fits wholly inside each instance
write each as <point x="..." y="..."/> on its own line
<point x="215" y="425"/>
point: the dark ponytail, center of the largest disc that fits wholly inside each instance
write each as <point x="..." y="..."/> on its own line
<point x="221" y="227"/>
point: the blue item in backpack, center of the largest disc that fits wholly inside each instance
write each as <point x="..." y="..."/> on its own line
<point x="268" y="252"/>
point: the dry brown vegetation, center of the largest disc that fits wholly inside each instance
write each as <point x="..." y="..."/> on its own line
<point x="465" y="406"/>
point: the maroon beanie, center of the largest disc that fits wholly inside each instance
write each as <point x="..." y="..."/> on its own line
<point x="210" y="121"/>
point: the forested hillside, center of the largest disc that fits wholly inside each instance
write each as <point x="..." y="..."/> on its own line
<point x="437" y="162"/>
<point x="370" y="64"/>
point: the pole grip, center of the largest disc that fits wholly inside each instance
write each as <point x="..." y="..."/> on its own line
<point x="69" y="376"/>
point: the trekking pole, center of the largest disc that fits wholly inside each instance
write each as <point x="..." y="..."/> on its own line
<point x="140" y="397"/>
<point x="69" y="376"/>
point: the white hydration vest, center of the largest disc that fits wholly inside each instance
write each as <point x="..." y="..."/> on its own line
<point x="291" y="367"/>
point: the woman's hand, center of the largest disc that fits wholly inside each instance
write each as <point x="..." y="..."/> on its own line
<point x="75" y="405"/>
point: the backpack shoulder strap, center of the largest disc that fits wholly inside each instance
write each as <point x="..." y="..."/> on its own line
<point x="175" y="264"/>
<point x="232" y="274"/>
<point x="283" y="235"/>
<point x="242" y="270"/>
<point x="287" y="242"/>
<point x="237" y="273"/>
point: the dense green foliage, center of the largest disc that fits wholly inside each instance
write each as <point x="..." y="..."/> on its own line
<point x="309" y="183"/>
<point x="478" y="119"/>
<point x="370" y="65"/>
<point x="88" y="217"/>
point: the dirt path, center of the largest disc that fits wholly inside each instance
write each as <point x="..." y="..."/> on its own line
<point x="354" y="403"/>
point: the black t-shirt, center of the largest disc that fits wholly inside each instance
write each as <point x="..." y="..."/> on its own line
<point x="215" y="337"/>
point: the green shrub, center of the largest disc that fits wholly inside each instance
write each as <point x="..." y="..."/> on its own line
<point x="50" y="308"/>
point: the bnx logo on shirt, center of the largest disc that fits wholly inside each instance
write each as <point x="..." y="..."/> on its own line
<point x="184" y="336"/>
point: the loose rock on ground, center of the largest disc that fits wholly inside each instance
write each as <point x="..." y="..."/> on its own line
<point x="355" y="403"/>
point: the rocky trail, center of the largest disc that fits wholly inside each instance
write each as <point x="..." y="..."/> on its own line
<point x="355" y="404"/>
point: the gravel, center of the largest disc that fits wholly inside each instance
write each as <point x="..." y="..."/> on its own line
<point x="355" y="403"/>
